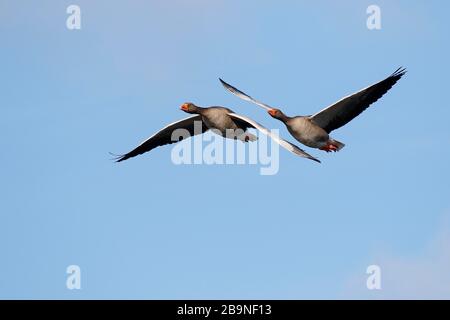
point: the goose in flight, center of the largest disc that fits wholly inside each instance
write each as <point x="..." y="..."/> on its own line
<point x="224" y="122"/>
<point x="313" y="131"/>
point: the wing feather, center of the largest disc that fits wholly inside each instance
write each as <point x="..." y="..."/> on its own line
<point x="164" y="136"/>
<point x="346" y="109"/>
<point x="243" y="95"/>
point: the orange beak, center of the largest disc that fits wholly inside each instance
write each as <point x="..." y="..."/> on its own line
<point x="184" y="107"/>
<point x="272" y="112"/>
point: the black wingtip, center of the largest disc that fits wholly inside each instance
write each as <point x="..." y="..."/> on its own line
<point x="117" y="157"/>
<point x="224" y="83"/>
<point x="400" y="72"/>
<point x="228" y="86"/>
<point x="232" y="89"/>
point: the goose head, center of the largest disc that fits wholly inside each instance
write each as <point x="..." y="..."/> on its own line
<point x="189" y="107"/>
<point x="276" y="113"/>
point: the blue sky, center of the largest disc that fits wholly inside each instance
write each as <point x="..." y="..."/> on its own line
<point x="147" y="228"/>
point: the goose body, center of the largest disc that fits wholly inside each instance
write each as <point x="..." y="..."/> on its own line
<point x="306" y="132"/>
<point x="218" y="118"/>
<point x="313" y="131"/>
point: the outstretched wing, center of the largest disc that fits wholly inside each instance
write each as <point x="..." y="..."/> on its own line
<point x="164" y="136"/>
<point x="285" y="144"/>
<point x="243" y="95"/>
<point x="346" y="109"/>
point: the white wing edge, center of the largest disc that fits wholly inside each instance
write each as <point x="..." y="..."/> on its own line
<point x="285" y="144"/>
<point x="243" y="95"/>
